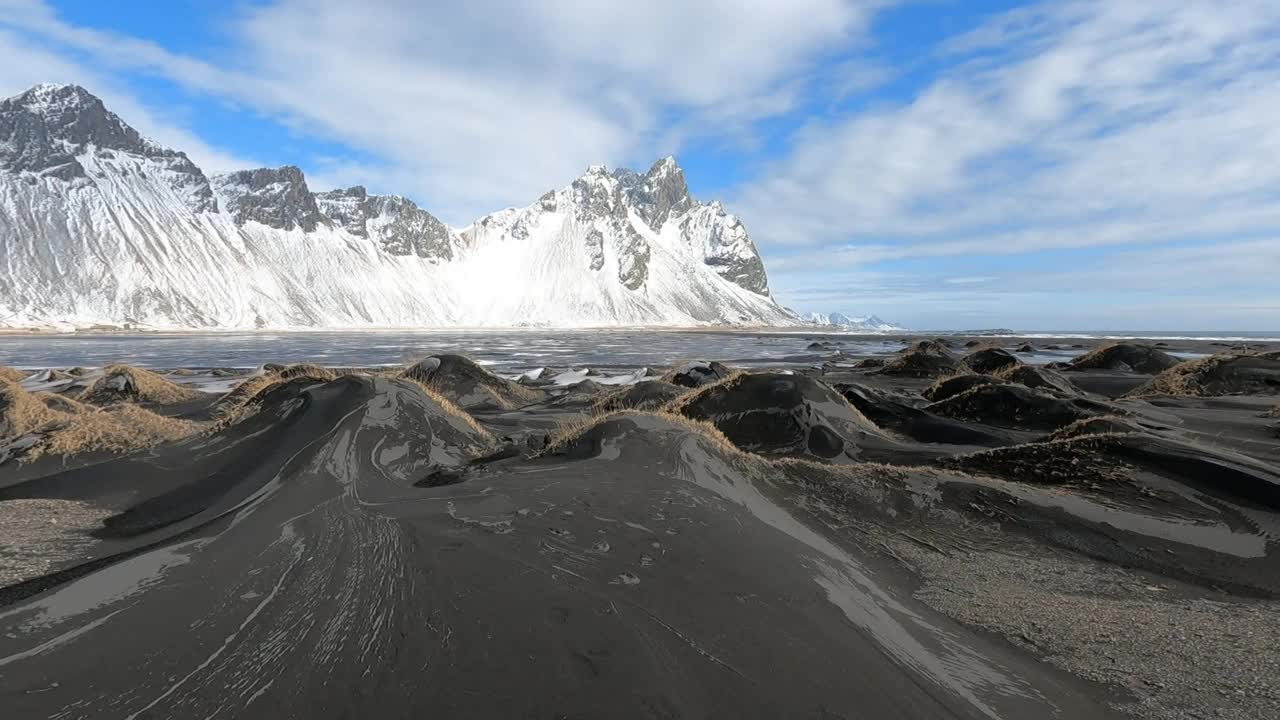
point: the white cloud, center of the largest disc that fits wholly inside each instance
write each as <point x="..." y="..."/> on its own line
<point x="488" y="104"/>
<point x="1066" y="124"/>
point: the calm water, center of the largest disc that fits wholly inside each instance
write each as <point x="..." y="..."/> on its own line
<point x="505" y="351"/>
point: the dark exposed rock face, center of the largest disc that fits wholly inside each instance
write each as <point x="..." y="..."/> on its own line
<point x="275" y="197"/>
<point x="598" y="200"/>
<point x="43" y="130"/>
<point x="727" y="248"/>
<point x="658" y="194"/>
<point x="400" y="226"/>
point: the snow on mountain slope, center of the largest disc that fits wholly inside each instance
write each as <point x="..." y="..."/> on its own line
<point x="100" y="226"/>
<point x="869" y="323"/>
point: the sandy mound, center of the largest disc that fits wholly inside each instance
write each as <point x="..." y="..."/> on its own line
<point x="122" y="383"/>
<point x="956" y="384"/>
<point x="777" y="414"/>
<point x="56" y="425"/>
<point x="585" y="438"/>
<point x="1025" y="348"/>
<point x="468" y="384"/>
<point x="925" y="359"/>
<point x="1017" y="407"/>
<point x="872" y="362"/>
<point x="1131" y="357"/>
<point x="306" y="370"/>
<point x="1100" y="425"/>
<point x="22" y="412"/>
<point x="1038" y="378"/>
<point x="62" y="403"/>
<point x="50" y="376"/>
<point x="901" y="413"/>
<point x="1082" y="460"/>
<point x="646" y="395"/>
<point x="989" y="360"/>
<point x="697" y="373"/>
<point x="11" y="374"/>
<point x="1217" y="375"/>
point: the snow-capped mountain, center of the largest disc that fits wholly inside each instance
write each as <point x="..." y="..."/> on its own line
<point x="869" y="323"/>
<point x="101" y="226"/>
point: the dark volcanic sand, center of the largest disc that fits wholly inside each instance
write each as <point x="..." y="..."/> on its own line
<point x="355" y="549"/>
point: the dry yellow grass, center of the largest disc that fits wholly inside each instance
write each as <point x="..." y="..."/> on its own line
<point x="241" y="401"/>
<point x="572" y="430"/>
<point x="139" y="385"/>
<point x="118" y="429"/>
<point x="676" y="406"/>
<point x="505" y="394"/>
<point x="11" y="374"/>
<point x="1100" y="425"/>
<point x="21" y="412"/>
<point x="67" y="427"/>
<point x="451" y="408"/>
<point x="307" y="370"/>
<point x="62" y="403"/>
<point x="1275" y="412"/>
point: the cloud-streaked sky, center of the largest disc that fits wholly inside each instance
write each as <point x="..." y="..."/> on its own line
<point x="1100" y="164"/>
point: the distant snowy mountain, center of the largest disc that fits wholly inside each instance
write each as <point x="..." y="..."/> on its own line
<point x="870" y="323"/>
<point x="101" y="226"/>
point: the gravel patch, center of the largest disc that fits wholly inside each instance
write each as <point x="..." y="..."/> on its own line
<point x="38" y="535"/>
<point x="1181" y="652"/>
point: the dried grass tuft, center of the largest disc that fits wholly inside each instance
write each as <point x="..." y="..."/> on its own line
<point x="451" y="408"/>
<point x="64" y="426"/>
<point x="117" y="429"/>
<point x="124" y="382"/>
<point x="22" y="412"/>
<point x="307" y="370"/>
<point x="572" y="430"/>
<point x="11" y="374"/>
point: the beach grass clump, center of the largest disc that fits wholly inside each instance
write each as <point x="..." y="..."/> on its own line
<point x="22" y="412"/>
<point x="451" y="408"/>
<point x="125" y="383"/>
<point x="309" y="371"/>
<point x="116" y="429"/>
<point x="1081" y="460"/>
<point x="575" y="429"/>
<point x="1216" y="375"/>
<point x="64" y="426"/>
<point x="11" y="374"/>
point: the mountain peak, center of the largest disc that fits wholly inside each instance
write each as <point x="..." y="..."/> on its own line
<point x="276" y="197"/>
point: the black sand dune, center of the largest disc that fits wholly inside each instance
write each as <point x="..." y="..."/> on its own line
<point x="925" y="359"/>
<point x="468" y="384"/>
<point x="956" y="384"/>
<point x="1018" y="407"/>
<point x="1217" y="375"/>
<point x="897" y="413"/>
<point x="1129" y="357"/>
<point x="783" y="415"/>
<point x="697" y="373"/>
<point x="990" y="360"/>
<point x="323" y="583"/>
<point x="1039" y="378"/>
<point x="347" y="544"/>
<point x="644" y="395"/>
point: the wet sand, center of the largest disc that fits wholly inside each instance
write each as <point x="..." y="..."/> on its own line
<point x="815" y="539"/>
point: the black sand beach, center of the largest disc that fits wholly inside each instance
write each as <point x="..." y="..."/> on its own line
<point x="1025" y="532"/>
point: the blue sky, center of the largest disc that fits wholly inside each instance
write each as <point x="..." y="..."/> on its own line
<point x="945" y="164"/>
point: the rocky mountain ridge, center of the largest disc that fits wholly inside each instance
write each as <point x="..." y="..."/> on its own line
<point x="146" y="238"/>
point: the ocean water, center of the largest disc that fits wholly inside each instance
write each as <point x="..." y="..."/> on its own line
<point x="511" y="351"/>
<point x="504" y="351"/>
